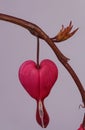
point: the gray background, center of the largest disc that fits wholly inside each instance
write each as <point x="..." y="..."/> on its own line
<point x="17" y="108"/>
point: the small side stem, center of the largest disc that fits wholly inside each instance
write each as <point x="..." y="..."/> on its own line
<point x="38" y="47"/>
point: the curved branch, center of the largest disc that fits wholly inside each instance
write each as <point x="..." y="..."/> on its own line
<point x="35" y="30"/>
<point x="38" y="32"/>
<point x="77" y="81"/>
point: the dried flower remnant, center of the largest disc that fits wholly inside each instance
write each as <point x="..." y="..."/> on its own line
<point x="65" y="33"/>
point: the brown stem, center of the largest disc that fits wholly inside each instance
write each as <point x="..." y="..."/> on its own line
<point x="77" y="81"/>
<point x="38" y="32"/>
<point x="35" y="30"/>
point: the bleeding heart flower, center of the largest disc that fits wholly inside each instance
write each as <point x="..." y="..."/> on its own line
<point x="81" y="127"/>
<point x="38" y="83"/>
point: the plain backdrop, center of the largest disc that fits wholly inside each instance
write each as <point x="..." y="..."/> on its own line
<point x="17" y="108"/>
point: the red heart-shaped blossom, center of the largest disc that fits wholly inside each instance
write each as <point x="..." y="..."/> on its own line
<point x="38" y="83"/>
